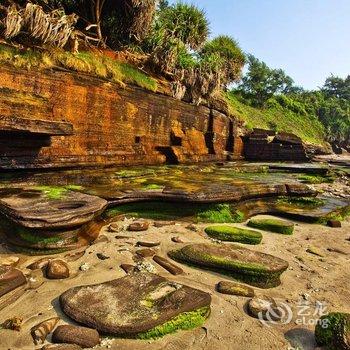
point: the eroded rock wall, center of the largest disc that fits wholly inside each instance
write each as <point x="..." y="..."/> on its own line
<point x="112" y="125"/>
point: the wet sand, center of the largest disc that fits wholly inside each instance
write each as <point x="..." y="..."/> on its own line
<point x="309" y="278"/>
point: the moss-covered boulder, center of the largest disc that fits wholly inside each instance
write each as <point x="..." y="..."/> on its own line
<point x="273" y="225"/>
<point x="234" y="288"/>
<point x="255" y="268"/>
<point x="151" y="308"/>
<point x="333" y="331"/>
<point x="233" y="234"/>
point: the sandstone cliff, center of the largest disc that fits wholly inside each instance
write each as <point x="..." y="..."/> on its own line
<point x="64" y="119"/>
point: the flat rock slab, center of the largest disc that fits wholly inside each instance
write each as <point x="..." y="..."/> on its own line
<point x="234" y="288"/>
<point x="274" y="206"/>
<point x="233" y="234"/>
<point x="273" y="225"/>
<point x="151" y="307"/>
<point x="82" y="336"/>
<point x="255" y="268"/>
<point x="41" y="209"/>
<point x="10" y="279"/>
<point x="16" y="124"/>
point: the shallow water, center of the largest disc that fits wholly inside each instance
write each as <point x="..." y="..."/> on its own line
<point x="112" y="182"/>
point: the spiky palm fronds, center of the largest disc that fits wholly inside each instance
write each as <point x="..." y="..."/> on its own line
<point x="53" y="28"/>
<point x="13" y="21"/>
<point x="127" y="21"/>
<point x="186" y="23"/>
<point x="231" y="55"/>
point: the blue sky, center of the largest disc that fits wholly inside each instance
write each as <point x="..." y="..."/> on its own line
<point x="309" y="39"/>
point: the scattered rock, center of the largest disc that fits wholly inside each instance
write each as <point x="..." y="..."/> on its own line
<point x="264" y="308"/>
<point x="147" y="244"/>
<point x="145" y="266"/>
<point x="57" y="269"/>
<point x="102" y="239"/>
<point x="336" y="250"/>
<point x="107" y="342"/>
<point x="314" y="251"/>
<point x="114" y="227"/>
<point x="255" y="268"/>
<point x="192" y="227"/>
<point x="84" y="267"/>
<point x="35" y="279"/>
<point x="61" y="347"/>
<point x="9" y="260"/>
<point x="273" y="225"/>
<point x="177" y="239"/>
<point x="128" y="268"/>
<point x="39" y="264"/>
<point x="70" y="257"/>
<point x="13" y="323"/>
<point x="167" y="265"/>
<point x="141" y="305"/>
<point x="82" y="336"/>
<point x="163" y="223"/>
<point x="333" y="331"/>
<point x="102" y="256"/>
<point x="233" y="234"/>
<point x="41" y="330"/>
<point x="139" y="226"/>
<point x="234" y="288"/>
<point x="121" y="237"/>
<point x="334" y="223"/>
<point x="145" y="253"/>
<point x="10" y="279"/>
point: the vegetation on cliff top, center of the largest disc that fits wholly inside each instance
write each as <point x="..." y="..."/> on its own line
<point x="171" y="41"/>
<point x="84" y="62"/>
<point x="268" y="98"/>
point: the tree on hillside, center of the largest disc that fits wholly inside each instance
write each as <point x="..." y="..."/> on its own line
<point x="230" y="55"/>
<point x="337" y="87"/>
<point x="179" y="49"/>
<point x="261" y="82"/>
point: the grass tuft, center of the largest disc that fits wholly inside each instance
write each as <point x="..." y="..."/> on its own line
<point x="85" y="62"/>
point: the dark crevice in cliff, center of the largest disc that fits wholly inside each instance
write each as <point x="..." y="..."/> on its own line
<point x="168" y="152"/>
<point x="209" y="135"/>
<point x="175" y="140"/>
<point x="230" y="138"/>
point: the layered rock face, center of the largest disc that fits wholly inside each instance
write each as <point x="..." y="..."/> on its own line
<point x="111" y="125"/>
<point x="267" y="145"/>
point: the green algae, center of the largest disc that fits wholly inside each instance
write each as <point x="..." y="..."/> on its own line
<point x="57" y="192"/>
<point x="184" y="321"/>
<point x="330" y="331"/>
<point x="234" y="234"/>
<point x="251" y="273"/>
<point x="211" y="213"/>
<point x="317" y="179"/>
<point x="301" y="202"/>
<point x="273" y="225"/>
<point x="34" y="252"/>
<point x="152" y="187"/>
<point x="36" y="239"/>
<point x="220" y="213"/>
<point x="340" y="214"/>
